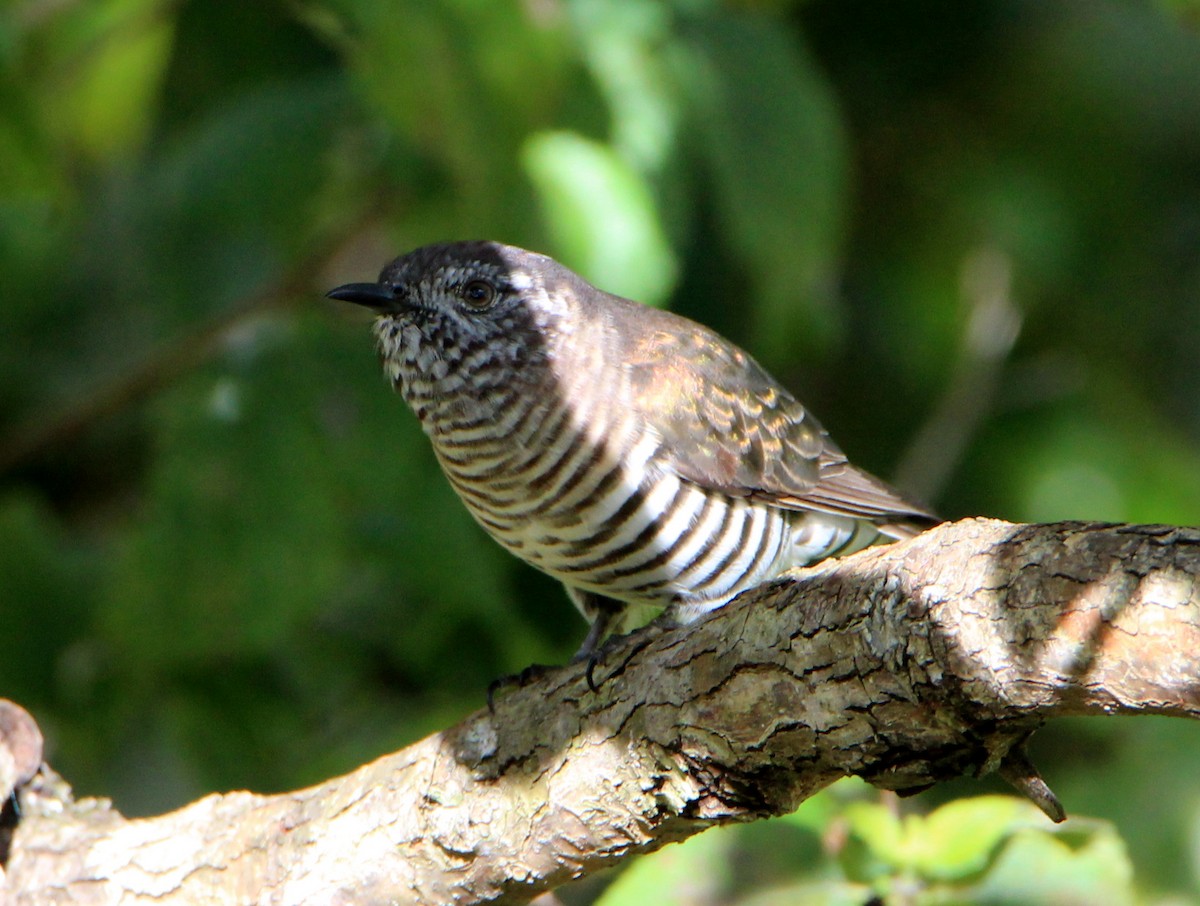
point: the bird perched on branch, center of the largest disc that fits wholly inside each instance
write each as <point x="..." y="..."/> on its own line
<point x="634" y="455"/>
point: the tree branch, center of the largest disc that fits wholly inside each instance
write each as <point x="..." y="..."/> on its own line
<point x="905" y="665"/>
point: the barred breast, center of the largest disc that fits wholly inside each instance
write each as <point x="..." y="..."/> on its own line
<point x="577" y="490"/>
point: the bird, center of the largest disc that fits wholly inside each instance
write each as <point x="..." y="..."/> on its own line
<point x="633" y="454"/>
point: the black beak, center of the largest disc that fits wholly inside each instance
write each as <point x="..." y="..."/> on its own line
<point x="373" y="295"/>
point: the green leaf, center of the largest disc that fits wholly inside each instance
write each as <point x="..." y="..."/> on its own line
<point x="876" y="846"/>
<point x="622" y="45"/>
<point x="815" y="893"/>
<point x="98" y="70"/>
<point x="112" y="102"/>
<point x="461" y="83"/>
<point x="766" y="124"/>
<point x="1084" y="865"/>
<point x="601" y="215"/>
<point x="1002" y="844"/>
<point x="961" y="838"/>
<point x="695" y="871"/>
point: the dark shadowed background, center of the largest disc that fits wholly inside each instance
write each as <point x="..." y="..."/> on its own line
<point x="967" y="235"/>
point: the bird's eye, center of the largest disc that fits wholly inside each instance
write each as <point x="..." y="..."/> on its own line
<point x="479" y="293"/>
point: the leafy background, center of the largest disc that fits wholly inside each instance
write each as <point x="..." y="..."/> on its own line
<point x="967" y="235"/>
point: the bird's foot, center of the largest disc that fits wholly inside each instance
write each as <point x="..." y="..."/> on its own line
<point x="595" y="657"/>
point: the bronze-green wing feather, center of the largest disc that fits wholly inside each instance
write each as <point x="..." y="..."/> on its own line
<point x="727" y="424"/>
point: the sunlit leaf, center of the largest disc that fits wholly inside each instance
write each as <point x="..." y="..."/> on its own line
<point x="695" y="871"/>
<point x="961" y="838"/>
<point x="876" y="846"/>
<point x="1039" y="867"/>
<point x="623" y="46"/>
<point x="601" y="215"/>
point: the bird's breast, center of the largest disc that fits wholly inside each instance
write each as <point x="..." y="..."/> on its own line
<point x="580" y="492"/>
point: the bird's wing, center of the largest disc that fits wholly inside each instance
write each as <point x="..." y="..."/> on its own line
<point x="725" y="423"/>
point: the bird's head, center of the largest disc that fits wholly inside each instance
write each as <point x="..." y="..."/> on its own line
<point x="450" y="307"/>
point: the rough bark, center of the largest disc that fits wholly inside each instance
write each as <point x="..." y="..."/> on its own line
<point x="905" y="665"/>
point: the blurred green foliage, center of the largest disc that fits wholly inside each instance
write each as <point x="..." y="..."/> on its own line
<point x="846" y="848"/>
<point x="967" y="235"/>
